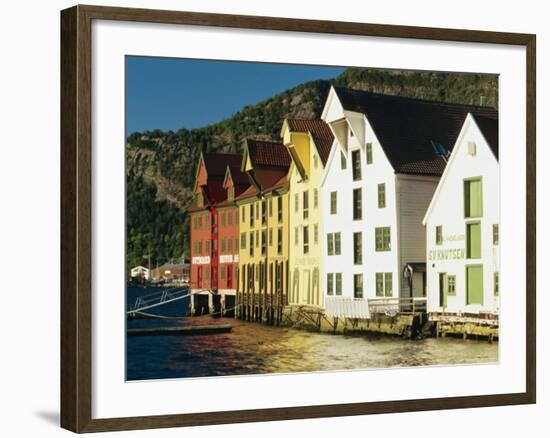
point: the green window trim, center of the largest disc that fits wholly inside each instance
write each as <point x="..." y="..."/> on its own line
<point x="337" y="244"/>
<point x="333" y="202"/>
<point x="473" y="240"/>
<point x="388" y="284"/>
<point x="382" y="239"/>
<point x="369" y="153"/>
<point x="382" y="195"/>
<point x="451" y="285"/>
<point x="357" y="204"/>
<point x="496" y="234"/>
<point x="473" y="198"/>
<point x="358" y="248"/>
<point x="356" y="164"/>
<point x="439" y="235"/>
<point x="330" y="284"/>
<point x="496" y="283"/>
<point x="338" y="283"/>
<point x="474" y="284"/>
<point x="343" y="161"/>
<point x="379" y="284"/>
<point x="330" y="244"/>
<point x="357" y="285"/>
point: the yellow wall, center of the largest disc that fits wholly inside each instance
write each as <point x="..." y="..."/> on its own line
<point x="305" y="283"/>
<point x="271" y="256"/>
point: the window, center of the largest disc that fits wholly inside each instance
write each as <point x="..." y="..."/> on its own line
<point x="451" y="285"/>
<point x="474" y="284"/>
<point x="223" y="246"/>
<point x="230" y="217"/>
<point x="337" y="247"/>
<point x="496" y="233"/>
<point x="223" y="218"/>
<point x="316" y="234"/>
<point x="473" y="240"/>
<point x="496" y="285"/>
<point x="343" y="161"/>
<point x="438" y="235"/>
<point x="330" y="284"/>
<point x="471" y="148"/>
<point x="296" y="203"/>
<point x="382" y="195"/>
<point x="356" y="164"/>
<point x="207" y="247"/>
<point x="388" y="286"/>
<point x="280" y="241"/>
<point x="357" y="248"/>
<point x="251" y="240"/>
<point x="236" y="244"/>
<point x="315" y="198"/>
<point x="222" y="272"/>
<point x="264" y="242"/>
<point x="257" y="238"/>
<point x="270" y="207"/>
<point x="358" y="286"/>
<point x="330" y="244"/>
<point x="296" y="237"/>
<point x="306" y="239"/>
<point x="243" y="214"/>
<point x="338" y="283"/>
<point x="333" y="202"/>
<point x="315" y="161"/>
<point x="270" y="236"/>
<point x="306" y="204"/>
<point x="280" y="209"/>
<point x="251" y="215"/>
<point x="379" y="284"/>
<point x="382" y="239"/>
<point x="243" y="240"/>
<point x="357" y="206"/>
<point x="473" y="198"/>
<point x="263" y="212"/>
<point x="384" y="284"/>
<point x="369" y="153"/>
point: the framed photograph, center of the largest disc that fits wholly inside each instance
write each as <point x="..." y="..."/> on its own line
<point x="303" y="218"/>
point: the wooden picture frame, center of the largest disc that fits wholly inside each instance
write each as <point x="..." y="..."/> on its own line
<point x="76" y="217"/>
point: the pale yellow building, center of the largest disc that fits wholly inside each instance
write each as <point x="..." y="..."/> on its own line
<point x="308" y="143"/>
<point x="263" y="233"/>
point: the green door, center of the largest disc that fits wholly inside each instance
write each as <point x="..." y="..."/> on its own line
<point x="443" y="289"/>
<point x="473" y="240"/>
<point x="474" y="284"/>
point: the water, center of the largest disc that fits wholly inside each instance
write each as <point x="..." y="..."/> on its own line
<point x="253" y="348"/>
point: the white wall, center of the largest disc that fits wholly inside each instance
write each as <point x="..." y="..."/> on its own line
<point x="448" y="211"/>
<point x="30" y="377"/>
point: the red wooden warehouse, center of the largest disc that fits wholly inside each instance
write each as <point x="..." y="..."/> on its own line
<point x="214" y="230"/>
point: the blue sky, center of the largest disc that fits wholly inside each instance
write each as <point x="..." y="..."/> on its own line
<point x="170" y="94"/>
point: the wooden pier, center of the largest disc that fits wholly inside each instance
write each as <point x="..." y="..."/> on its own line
<point x="180" y="331"/>
<point x="264" y="308"/>
<point x="466" y="326"/>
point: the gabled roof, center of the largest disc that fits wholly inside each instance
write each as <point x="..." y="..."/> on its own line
<point x="215" y="166"/>
<point x="270" y="161"/>
<point x="407" y="128"/>
<point x="489" y="128"/>
<point x="267" y="153"/>
<point x="491" y="131"/>
<point x="319" y="131"/>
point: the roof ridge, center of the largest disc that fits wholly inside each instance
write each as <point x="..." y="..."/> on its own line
<point x="416" y="99"/>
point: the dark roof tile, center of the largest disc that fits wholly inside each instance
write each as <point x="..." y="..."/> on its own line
<point x="319" y="130"/>
<point x="408" y="127"/>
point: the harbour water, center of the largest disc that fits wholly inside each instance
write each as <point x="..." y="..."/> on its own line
<point x="252" y="348"/>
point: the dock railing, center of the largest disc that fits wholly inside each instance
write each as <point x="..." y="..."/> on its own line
<point x="398" y="305"/>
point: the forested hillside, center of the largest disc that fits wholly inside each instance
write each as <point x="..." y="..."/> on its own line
<point x="161" y="165"/>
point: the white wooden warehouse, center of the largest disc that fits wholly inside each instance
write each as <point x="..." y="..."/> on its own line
<point x="462" y="225"/>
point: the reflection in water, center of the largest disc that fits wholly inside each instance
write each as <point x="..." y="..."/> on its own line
<point x="256" y="349"/>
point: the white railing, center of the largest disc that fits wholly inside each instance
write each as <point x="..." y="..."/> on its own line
<point x="397" y="305"/>
<point x="339" y="307"/>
